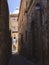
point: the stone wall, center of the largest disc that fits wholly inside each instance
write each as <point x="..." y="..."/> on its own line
<point x="5" y="39"/>
<point x="35" y="33"/>
<point x="22" y="22"/>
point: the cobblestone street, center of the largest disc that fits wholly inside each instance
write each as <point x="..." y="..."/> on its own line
<point x="19" y="60"/>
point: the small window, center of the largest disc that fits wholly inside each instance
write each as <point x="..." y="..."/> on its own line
<point x="14" y="28"/>
<point x="14" y="19"/>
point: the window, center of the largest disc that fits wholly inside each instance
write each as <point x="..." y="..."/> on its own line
<point x="39" y="13"/>
<point x="14" y="27"/>
<point x="14" y="19"/>
<point x="37" y="7"/>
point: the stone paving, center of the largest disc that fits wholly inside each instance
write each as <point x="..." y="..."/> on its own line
<point x="17" y="59"/>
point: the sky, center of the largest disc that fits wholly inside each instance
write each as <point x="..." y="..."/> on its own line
<point x="13" y="4"/>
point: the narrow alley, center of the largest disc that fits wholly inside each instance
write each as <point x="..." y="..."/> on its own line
<point x="17" y="59"/>
<point x="24" y="32"/>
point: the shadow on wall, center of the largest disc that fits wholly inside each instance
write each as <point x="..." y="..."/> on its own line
<point x="5" y="34"/>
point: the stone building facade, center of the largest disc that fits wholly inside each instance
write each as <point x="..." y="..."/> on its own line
<point x="13" y="25"/>
<point x="22" y="23"/>
<point x="33" y="30"/>
<point x="5" y="39"/>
